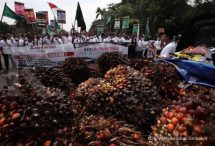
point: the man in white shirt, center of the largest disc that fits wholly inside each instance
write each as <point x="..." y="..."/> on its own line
<point x="170" y="48"/>
<point x="5" y="47"/>
<point x="47" y="40"/>
<point x="66" y="38"/>
<point x="57" y="40"/>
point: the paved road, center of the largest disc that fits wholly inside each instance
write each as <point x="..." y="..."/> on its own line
<point x="4" y="75"/>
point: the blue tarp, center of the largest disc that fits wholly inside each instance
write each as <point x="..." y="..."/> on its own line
<point x="194" y="72"/>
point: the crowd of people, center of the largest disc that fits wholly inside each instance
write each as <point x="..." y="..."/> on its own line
<point x="162" y="46"/>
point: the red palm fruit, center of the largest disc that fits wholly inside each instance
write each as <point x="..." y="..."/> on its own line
<point x="197" y="129"/>
<point x="166" y="114"/>
<point x="163" y="120"/>
<point x="47" y="143"/>
<point x="2" y="121"/>
<point x="170" y="115"/>
<point x="181" y="129"/>
<point x="183" y="110"/>
<point x="15" y="115"/>
<point x="174" y="121"/>
<point x="170" y="127"/>
<point x="177" y="108"/>
<point x="136" y="136"/>
<point x="179" y="116"/>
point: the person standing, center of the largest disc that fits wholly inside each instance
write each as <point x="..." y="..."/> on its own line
<point x="170" y="46"/>
<point x="132" y="48"/>
<point x="5" y="47"/>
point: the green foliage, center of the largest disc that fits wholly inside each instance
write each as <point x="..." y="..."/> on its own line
<point x="5" y="28"/>
<point x="174" y="14"/>
<point x="100" y="12"/>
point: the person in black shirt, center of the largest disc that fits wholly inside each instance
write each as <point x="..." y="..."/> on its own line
<point x="132" y="47"/>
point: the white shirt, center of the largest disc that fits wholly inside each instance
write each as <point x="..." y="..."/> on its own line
<point x="94" y="39"/>
<point x="115" y="39"/>
<point x="12" y="42"/>
<point x="67" y="40"/>
<point x="157" y="44"/>
<point x="47" y="41"/>
<point x="5" y="47"/>
<point x="141" y="43"/>
<point x="38" y="42"/>
<point x="57" y="40"/>
<point x="122" y="39"/>
<point x="169" y="48"/>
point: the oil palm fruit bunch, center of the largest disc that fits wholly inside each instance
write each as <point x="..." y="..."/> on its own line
<point x="94" y="71"/>
<point x="98" y="131"/>
<point x="53" y="77"/>
<point x="94" y="96"/>
<point x="162" y="74"/>
<point x="165" y="77"/>
<point x="110" y="60"/>
<point x="146" y="66"/>
<point x="205" y="94"/>
<point x="76" y="68"/>
<point x="182" y="123"/>
<point x="123" y="93"/>
<point x="37" y="114"/>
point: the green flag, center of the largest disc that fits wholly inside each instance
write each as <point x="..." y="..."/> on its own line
<point x="49" y="30"/>
<point x="79" y="17"/>
<point x="57" y="26"/>
<point x="108" y="20"/>
<point x="147" y="31"/>
<point x="11" y="14"/>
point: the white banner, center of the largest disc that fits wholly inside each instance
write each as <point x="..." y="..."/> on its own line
<point x="49" y="55"/>
<point x="95" y="50"/>
<point x="117" y="24"/>
<point x="52" y="55"/>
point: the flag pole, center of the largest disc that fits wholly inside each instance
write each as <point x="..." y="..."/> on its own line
<point x="110" y="27"/>
<point x="74" y="24"/>
<point x="75" y="21"/>
<point x="138" y="31"/>
<point x="3" y="12"/>
<point x="1" y="18"/>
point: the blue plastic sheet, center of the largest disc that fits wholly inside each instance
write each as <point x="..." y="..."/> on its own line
<point x="194" y="72"/>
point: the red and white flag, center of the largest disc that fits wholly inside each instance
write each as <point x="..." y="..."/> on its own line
<point x="59" y="13"/>
<point x="54" y="7"/>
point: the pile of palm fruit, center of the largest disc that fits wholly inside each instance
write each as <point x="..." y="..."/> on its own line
<point x="114" y="102"/>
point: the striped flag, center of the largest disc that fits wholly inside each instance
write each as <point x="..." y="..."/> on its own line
<point x="55" y="9"/>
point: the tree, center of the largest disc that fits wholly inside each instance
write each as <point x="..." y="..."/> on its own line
<point x="100" y="12"/>
<point x="205" y="8"/>
<point x="5" y="28"/>
<point x="173" y="14"/>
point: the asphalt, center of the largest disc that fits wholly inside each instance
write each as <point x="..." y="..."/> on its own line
<point x="4" y="75"/>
